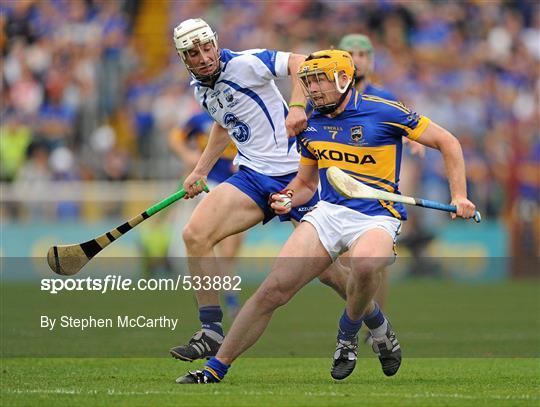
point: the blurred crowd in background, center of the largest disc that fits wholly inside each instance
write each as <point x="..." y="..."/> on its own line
<point x="90" y="89"/>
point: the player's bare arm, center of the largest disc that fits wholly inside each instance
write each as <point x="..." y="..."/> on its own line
<point x="301" y="190"/>
<point x="441" y="139"/>
<point x="296" y="119"/>
<point x="217" y="143"/>
<point x="189" y="156"/>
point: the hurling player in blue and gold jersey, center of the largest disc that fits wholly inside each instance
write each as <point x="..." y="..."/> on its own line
<point x="360" y="48"/>
<point x="188" y="143"/>
<point x="361" y="135"/>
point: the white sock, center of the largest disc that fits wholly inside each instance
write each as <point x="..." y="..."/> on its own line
<point x="380" y="331"/>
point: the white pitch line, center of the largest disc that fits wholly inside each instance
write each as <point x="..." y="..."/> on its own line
<point x="429" y="395"/>
<point x="462" y="396"/>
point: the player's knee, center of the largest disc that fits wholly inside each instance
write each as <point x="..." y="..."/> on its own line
<point x="328" y="278"/>
<point x="272" y="295"/>
<point x="364" y="268"/>
<point x="189" y="235"/>
<point x="195" y="236"/>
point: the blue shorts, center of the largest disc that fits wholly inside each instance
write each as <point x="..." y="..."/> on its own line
<point x="259" y="187"/>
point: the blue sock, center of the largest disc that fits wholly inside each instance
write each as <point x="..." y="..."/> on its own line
<point x="231" y="299"/>
<point x="375" y="319"/>
<point x="348" y="328"/>
<point x="215" y="370"/>
<point x="211" y="317"/>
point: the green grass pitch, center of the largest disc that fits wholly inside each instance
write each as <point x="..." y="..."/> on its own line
<point x="271" y="382"/>
<point x="463" y="345"/>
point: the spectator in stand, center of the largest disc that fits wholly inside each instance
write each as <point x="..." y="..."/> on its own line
<point x="473" y="60"/>
<point x="15" y="137"/>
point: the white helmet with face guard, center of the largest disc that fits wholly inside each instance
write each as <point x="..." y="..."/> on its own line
<point x="193" y="35"/>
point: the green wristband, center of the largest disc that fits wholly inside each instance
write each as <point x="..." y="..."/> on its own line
<point x="302" y="105"/>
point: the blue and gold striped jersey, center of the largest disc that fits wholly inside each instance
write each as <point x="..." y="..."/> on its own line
<point x="196" y="131"/>
<point x="365" y="140"/>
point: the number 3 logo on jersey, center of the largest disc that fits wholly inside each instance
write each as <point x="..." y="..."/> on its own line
<point x="240" y="130"/>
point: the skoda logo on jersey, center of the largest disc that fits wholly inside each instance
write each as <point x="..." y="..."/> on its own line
<point x="240" y="130"/>
<point x="356" y="134"/>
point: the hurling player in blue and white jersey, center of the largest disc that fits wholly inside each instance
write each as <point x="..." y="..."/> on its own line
<point x="238" y="91"/>
<point x="188" y="141"/>
<point x="362" y="136"/>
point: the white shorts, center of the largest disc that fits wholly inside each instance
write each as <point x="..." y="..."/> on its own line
<point x="339" y="227"/>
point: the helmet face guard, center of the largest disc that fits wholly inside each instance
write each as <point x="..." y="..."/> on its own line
<point x="214" y="67"/>
<point x="326" y="66"/>
<point x="196" y="35"/>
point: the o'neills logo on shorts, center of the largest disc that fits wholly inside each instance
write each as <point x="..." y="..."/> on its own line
<point x="305" y="208"/>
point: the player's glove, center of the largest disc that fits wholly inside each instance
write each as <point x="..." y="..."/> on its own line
<point x="282" y="201"/>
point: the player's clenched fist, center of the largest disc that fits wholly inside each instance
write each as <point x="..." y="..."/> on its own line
<point x="464" y="208"/>
<point x="281" y="202"/>
<point x="296" y="121"/>
<point x="194" y="184"/>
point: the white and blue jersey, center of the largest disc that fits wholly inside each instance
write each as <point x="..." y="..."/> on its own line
<point x="246" y="101"/>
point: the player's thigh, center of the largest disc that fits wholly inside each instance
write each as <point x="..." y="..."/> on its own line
<point x="230" y="246"/>
<point x="302" y="258"/>
<point x="225" y="211"/>
<point x="374" y="248"/>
